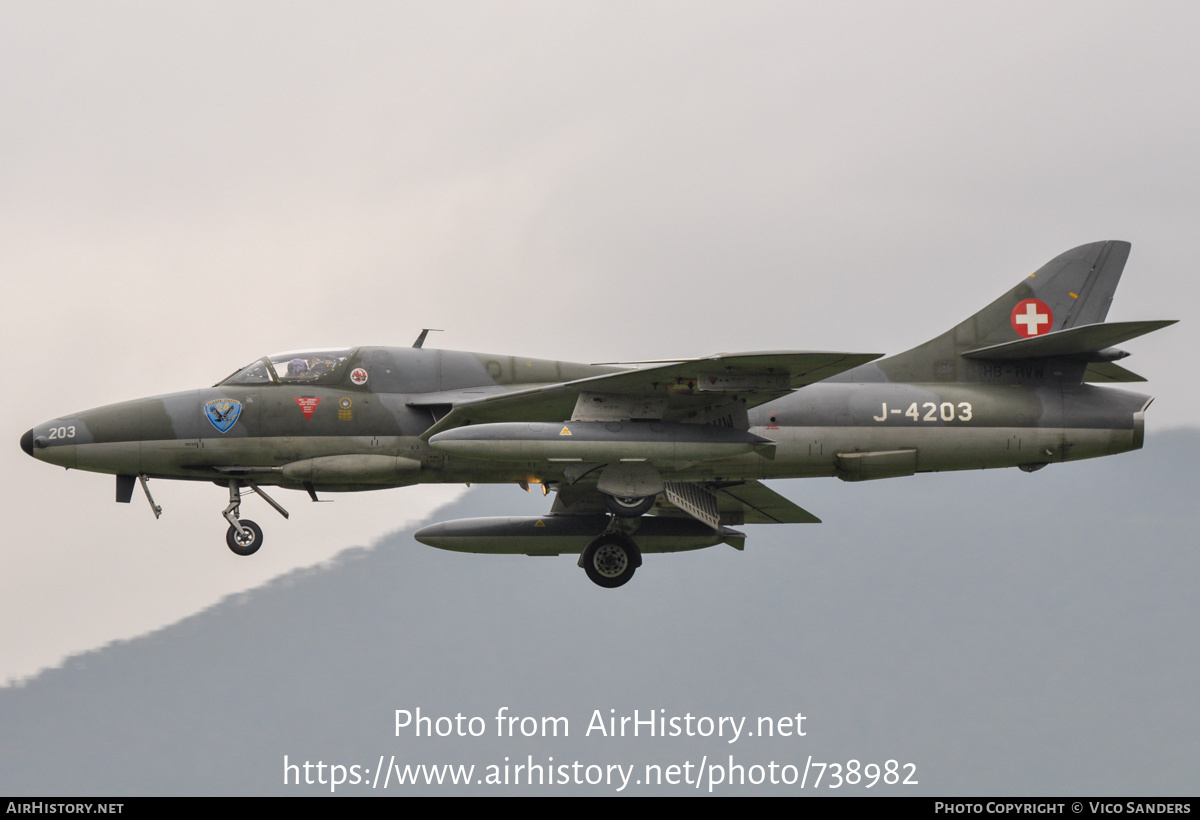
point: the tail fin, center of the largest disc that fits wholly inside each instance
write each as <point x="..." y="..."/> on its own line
<point x="1056" y="312"/>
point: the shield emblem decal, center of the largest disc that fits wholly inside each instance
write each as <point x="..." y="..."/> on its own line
<point x="223" y="413"/>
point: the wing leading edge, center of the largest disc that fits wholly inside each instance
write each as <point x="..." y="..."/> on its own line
<point x="679" y="391"/>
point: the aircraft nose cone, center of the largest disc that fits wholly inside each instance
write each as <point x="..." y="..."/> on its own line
<point x="27" y="442"/>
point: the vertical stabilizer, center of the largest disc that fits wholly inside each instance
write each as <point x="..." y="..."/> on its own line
<point x="1072" y="289"/>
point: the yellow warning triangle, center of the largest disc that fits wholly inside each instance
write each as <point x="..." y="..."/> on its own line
<point x="539" y="523"/>
<point x="565" y="432"/>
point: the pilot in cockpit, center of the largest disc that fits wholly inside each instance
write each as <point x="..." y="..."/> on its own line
<point x="297" y="369"/>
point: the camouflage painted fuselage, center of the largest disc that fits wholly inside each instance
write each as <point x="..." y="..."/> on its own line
<point x="350" y="436"/>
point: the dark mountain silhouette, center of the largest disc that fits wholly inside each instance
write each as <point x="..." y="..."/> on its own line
<point x="1007" y="633"/>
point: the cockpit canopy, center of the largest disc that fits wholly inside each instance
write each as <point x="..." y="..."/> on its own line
<point x="296" y="367"/>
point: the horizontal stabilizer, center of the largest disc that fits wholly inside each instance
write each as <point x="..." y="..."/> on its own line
<point x="1109" y="372"/>
<point x="1074" y="341"/>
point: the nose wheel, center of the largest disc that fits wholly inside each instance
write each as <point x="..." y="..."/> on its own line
<point x="247" y="540"/>
<point x="244" y="537"/>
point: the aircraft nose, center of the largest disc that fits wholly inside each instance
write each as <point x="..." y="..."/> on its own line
<point x="27" y="442"/>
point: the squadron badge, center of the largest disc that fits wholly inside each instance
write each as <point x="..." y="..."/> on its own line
<point x="307" y="405"/>
<point x="223" y="413"/>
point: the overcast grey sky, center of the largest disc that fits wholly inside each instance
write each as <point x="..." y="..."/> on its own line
<point x="187" y="187"/>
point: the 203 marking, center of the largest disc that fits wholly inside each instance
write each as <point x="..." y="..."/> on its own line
<point x="62" y="432"/>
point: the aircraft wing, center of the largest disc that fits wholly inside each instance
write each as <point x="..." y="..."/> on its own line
<point x="679" y="391"/>
<point x="759" y="504"/>
<point x="747" y="502"/>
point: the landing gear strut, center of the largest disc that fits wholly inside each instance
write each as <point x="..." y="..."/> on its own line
<point x="244" y="536"/>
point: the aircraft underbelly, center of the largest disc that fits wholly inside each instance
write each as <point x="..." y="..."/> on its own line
<point x="801" y="452"/>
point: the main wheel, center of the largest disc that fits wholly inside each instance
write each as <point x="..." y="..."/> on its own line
<point x="629" y="507"/>
<point x="610" y="560"/>
<point x="246" y="543"/>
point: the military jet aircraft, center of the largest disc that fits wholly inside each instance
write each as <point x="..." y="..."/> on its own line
<point x="644" y="457"/>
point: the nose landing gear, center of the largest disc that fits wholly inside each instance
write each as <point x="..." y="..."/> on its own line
<point x="244" y="537"/>
<point x="247" y="541"/>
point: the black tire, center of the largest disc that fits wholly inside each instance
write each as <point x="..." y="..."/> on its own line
<point x="610" y="560"/>
<point x="629" y="507"/>
<point x="241" y="545"/>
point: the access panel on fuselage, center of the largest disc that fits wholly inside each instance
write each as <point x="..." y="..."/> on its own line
<point x="402" y="369"/>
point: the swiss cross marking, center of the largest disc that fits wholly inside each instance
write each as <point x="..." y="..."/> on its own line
<point x="1032" y="317"/>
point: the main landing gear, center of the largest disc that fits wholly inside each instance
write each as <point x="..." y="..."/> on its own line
<point x="611" y="559"/>
<point x="629" y="507"/>
<point x="244" y="536"/>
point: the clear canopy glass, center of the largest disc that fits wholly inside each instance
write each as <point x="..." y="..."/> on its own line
<point x="296" y="367"/>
